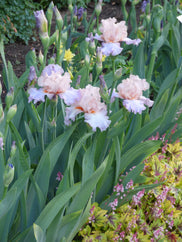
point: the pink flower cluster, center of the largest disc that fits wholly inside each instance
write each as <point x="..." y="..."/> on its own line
<point x="136" y="198"/>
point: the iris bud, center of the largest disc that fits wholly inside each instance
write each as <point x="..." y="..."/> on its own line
<point x="11" y="112"/>
<point x="9" y="97"/>
<point x="8" y="175"/>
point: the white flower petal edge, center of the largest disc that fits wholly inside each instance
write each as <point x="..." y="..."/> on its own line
<point x="71" y="113"/>
<point x="36" y="95"/>
<point x="129" y="41"/>
<point x="71" y="96"/>
<point x="180" y="18"/>
<point x="111" y="49"/>
<point x="135" y="106"/>
<point x="98" y="37"/>
<point x="147" y="101"/>
<point x="98" y="120"/>
<point x="114" y="95"/>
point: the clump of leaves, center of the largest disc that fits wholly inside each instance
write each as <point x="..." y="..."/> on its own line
<point x="149" y="216"/>
<point x="17" y="20"/>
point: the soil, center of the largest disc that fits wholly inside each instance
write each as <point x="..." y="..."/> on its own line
<point x="16" y="52"/>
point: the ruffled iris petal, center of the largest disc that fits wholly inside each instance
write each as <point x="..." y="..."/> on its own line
<point x="135" y="106"/>
<point x="71" y="113"/>
<point x="111" y="49"/>
<point x="71" y="96"/>
<point x="129" y="41"/>
<point x="36" y="95"/>
<point x="98" y="120"/>
<point x="147" y="101"/>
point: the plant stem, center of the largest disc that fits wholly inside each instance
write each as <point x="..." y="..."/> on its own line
<point x="113" y="85"/>
<point x="58" y="48"/>
<point x="4" y="193"/>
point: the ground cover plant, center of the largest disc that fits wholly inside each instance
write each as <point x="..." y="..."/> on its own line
<point x="150" y="215"/>
<point x="82" y="114"/>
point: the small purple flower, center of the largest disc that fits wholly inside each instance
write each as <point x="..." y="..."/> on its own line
<point x="79" y="12"/>
<point x="158" y="232"/>
<point x="136" y="198"/>
<point x="114" y="204"/>
<point x="144" y="5"/>
<point x="59" y="176"/>
<point x="129" y="185"/>
<point x="10" y="166"/>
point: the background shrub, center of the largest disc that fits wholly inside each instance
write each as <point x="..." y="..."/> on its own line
<point x="17" y="20"/>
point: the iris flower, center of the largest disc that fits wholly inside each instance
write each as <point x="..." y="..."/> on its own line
<point x="131" y="90"/>
<point x="112" y="34"/>
<point x="95" y="112"/>
<point x="53" y="81"/>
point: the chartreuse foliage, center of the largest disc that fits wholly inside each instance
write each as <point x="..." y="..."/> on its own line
<point x="154" y="214"/>
<point x="35" y="143"/>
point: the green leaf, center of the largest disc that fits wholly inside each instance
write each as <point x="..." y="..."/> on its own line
<point x="52" y="209"/>
<point x="139" y="62"/>
<point x="107" y="179"/>
<point x="133" y="174"/>
<point x="73" y="155"/>
<point x="88" y="161"/>
<point x="71" y="223"/>
<point x="118" y="157"/>
<point x="43" y="173"/>
<point x="7" y="203"/>
<point x="54" y="206"/>
<point x="117" y="129"/>
<point x="39" y="234"/>
<point x="84" y="194"/>
<point x="143" y="133"/>
<point x="175" y="43"/>
<point x="146" y="148"/>
<point x="80" y="222"/>
<point x="13" y="194"/>
<point x="30" y="137"/>
<point x="159" y="107"/>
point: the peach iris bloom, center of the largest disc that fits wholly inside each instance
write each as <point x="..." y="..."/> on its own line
<point x="95" y="112"/>
<point x="53" y="81"/>
<point x="112" y="34"/>
<point x="131" y="90"/>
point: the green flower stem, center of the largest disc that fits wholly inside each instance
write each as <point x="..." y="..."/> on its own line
<point x="54" y="118"/>
<point x="124" y="11"/>
<point x="113" y="85"/>
<point x="58" y="48"/>
<point x="45" y="57"/>
<point x="153" y="3"/>
<point x="97" y="19"/>
<point x="4" y="139"/>
<point x="43" y="130"/>
<point x="90" y="22"/>
<point x="5" y="191"/>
